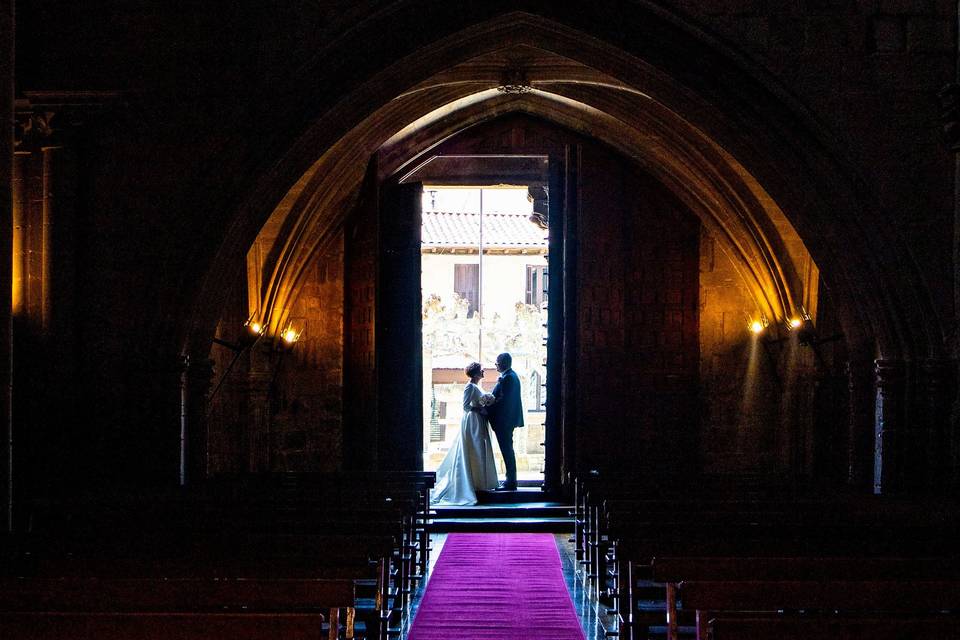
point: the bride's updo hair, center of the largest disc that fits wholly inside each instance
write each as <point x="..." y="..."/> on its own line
<point x="473" y="369"/>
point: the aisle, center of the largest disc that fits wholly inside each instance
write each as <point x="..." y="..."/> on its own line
<point x="497" y="586"/>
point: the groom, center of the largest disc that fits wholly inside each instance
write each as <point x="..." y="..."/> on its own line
<point x="506" y="414"/>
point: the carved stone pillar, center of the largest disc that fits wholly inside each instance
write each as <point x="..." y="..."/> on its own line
<point x="41" y="276"/>
<point x="43" y="285"/>
<point x="889" y="471"/>
<point x="860" y="422"/>
<point x="950" y="121"/>
<point x="258" y="442"/>
<point x="196" y="376"/>
<point x="28" y="411"/>
<point x="20" y="204"/>
<point x="44" y="192"/>
<point x="6" y="259"/>
<point x="935" y="382"/>
<point x="58" y="232"/>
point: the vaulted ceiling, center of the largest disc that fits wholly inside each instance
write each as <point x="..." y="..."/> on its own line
<point x="752" y="230"/>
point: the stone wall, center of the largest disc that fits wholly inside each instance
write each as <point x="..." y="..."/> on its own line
<point x="768" y="404"/>
<point x="280" y="408"/>
<point x="212" y="100"/>
<point x="307" y="412"/>
<point x="637" y="322"/>
<point x="869" y="70"/>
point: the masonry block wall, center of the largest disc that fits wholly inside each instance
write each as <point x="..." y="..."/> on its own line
<point x="749" y="384"/>
<point x="226" y="416"/>
<point x="307" y="410"/>
<point x="208" y="99"/>
<point x="768" y="405"/>
<point x="280" y="408"/>
<point x="637" y="322"/>
<point x="870" y="71"/>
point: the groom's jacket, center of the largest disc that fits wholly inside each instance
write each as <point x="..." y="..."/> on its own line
<point x="507" y="411"/>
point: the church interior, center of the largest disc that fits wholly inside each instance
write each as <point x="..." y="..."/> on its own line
<point x="212" y="380"/>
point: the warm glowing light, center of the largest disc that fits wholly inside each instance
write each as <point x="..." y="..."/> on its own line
<point x="756" y="326"/>
<point x="290" y="336"/>
<point x="256" y="327"/>
<point x="795" y="323"/>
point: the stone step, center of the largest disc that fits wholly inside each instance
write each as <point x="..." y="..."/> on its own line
<point x="523" y="494"/>
<point x="523" y="510"/>
<point x="502" y="524"/>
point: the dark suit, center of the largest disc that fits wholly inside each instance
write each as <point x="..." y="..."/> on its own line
<point x="506" y="414"/>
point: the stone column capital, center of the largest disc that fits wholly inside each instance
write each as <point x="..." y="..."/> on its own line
<point x="950" y="115"/>
<point x="34" y="130"/>
<point x="889" y="468"/>
<point x="890" y="372"/>
<point x="48" y="118"/>
<point x="199" y="372"/>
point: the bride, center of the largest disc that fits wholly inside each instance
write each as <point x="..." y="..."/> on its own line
<point x="469" y="465"/>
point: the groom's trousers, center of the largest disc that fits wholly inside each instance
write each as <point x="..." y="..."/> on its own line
<point x="505" y="442"/>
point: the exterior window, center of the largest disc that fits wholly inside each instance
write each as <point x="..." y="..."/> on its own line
<point x="538" y="393"/>
<point x="466" y="283"/>
<point x="536" y="284"/>
<point x="438" y="410"/>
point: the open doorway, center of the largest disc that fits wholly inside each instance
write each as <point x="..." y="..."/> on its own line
<point x="484" y="292"/>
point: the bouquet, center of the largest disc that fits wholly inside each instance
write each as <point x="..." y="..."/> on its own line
<point x="485" y="401"/>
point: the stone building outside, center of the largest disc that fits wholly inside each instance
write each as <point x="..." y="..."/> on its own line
<point x="472" y="317"/>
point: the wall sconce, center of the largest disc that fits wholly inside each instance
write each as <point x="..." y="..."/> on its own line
<point x="757" y="326"/>
<point x="254" y="327"/>
<point x="808" y="337"/>
<point x="252" y="331"/>
<point x="807" y="333"/>
<point x="291" y="334"/>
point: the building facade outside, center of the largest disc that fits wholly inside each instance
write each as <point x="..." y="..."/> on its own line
<point x="474" y="309"/>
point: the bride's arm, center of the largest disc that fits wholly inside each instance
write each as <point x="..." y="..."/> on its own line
<point x="468" y="394"/>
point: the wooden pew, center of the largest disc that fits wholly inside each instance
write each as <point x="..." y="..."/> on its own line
<point x="628" y="517"/>
<point x="238" y="560"/>
<point x="910" y="597"/>
<point x="160" y="626"/>
<point x="363" y="503"/>
<point x="939" y="627"/>
<point x="645" y="541"/>
<point x="295" y="487"/>
<point x="134" y="604"/>
<point x="255" y="509"/>
<point x="317" y="502"/>
<point x="178" y="594"/>
<point x="422" y="482"/>
<point x="594" y="488"/>
<point x="591" y="488"/>
<point x="675" y="570"/>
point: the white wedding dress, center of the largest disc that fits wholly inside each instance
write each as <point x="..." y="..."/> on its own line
<point x="469" y="465"/>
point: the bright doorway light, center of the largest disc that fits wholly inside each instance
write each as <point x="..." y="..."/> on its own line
<point x="484" y="281"/>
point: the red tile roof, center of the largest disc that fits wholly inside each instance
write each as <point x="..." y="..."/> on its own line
<point x="444" y="229"/>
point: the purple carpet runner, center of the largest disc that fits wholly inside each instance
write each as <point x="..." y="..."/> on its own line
<point x="497" y="586"/>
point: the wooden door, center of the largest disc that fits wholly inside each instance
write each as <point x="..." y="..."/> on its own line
<point x="360" y="393"/>
<point x="399" y="334"/>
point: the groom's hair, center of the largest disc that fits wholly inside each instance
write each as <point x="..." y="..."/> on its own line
<point x="506" y="359"/>
<point x="472" y="369"/>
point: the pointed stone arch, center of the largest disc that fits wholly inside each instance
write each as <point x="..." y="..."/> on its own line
<point x="786" y="152"/>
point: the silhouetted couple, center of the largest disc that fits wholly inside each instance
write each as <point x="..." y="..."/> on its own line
<point x="469" y="465"/>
